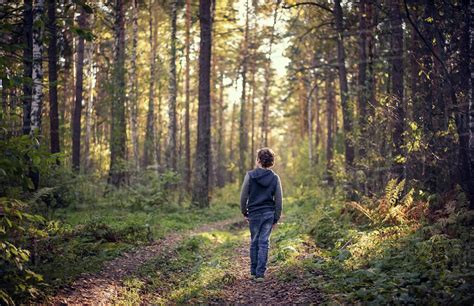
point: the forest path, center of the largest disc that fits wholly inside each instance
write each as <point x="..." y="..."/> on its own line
<point x="104" y="286"/>
<point x="212" y="273"/>
<point x="273" y="290"/>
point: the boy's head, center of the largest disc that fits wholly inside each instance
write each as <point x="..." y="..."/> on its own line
<point x="266" y="157"/>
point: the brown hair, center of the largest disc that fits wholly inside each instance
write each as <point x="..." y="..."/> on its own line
<point x="266" y="157"/>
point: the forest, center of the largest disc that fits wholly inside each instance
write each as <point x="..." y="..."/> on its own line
<point x="127" y="128"/>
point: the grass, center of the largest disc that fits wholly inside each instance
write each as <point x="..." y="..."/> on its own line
<point x="193" y="273"/>
<point x="83" y="239"/>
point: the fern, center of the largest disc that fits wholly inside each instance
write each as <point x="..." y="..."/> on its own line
<point x="393" y="191"/>
<point x="366" y="211"/>
<point x="408" y="199"/>
<point x="40" y="193"/>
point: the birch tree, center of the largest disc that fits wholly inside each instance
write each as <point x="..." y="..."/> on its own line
<point x="37" y="73"/>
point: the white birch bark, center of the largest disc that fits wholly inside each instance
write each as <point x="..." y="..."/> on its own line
<point x="37" y="76"/>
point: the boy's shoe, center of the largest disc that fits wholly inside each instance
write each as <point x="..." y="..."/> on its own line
<point x="259" y="279"/>
<point x="253" y="276"/>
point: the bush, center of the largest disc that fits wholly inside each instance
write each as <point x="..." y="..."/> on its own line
<point x="146" y="192"/>
<point x="18" y="229"/>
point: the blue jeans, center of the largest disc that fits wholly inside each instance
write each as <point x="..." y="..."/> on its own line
<point x="260" y="228"/>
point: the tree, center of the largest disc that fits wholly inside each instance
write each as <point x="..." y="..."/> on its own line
<point x="133" y="101"/>
<point x="243" y="134"/>
<point x="172" y="92"/>
<point x="268" y="77"/>
<point x="310" y="123"/>
<point x="221" y="141"/>
<point x="77" y="116"/>
<point x="117" y="174"/>
<point x="187" y="136"/>
<point x="397" y="87"/>
<point x="53" y="78"/>
<point x="203" y="148"/>
<point x="27" y="64"/>
<point x="90" y="106"/>
<point x="149" y="145"/>
<point x="330" y="118"/>
<point x="466" y="117"/>
<point x="37" y="74"/>
<point x="344" y="88"/>
<point x="362" y="77"/>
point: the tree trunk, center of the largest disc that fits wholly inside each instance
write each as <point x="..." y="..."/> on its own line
<point x="117" y="174"/>
<point x="329" y="118"/>
<point x="397" y="89"/>
<point x="344" y="89"/>
<point x="187" y="136"/>
<point x="426" y="100"/>
<point x="134" y="90"/>
<point x="201" y="182"/>
<point x="362" y="77"/>
<point x="221" y="160"/>
<point x="149" y="145"/>
<point x="53" y="78"/>
<point x="469" y="30"/>
<point x="318" y="133"/>
<point x="76" y="120"/>
<point x="172" y="126"/>
<point x="27" y="64"/>
<point x="310" y="124"/>
<point x="243" y="134"/>
<point x="158" y="128"/>
<point x="465" y="116"/>
<point x="89" y="108"/>
<point x="214" y="121"/>
<point x="37" y="75"/>
<point x="232" y="141"/>
<point x="267" y="80"/>
<point x="252" y="89"/>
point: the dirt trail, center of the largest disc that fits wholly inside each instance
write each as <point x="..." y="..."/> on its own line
<point x="104" y="286"/>
<point x="272" y="291"/>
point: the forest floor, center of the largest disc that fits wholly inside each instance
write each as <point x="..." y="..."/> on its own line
<point x="209" y="264"/>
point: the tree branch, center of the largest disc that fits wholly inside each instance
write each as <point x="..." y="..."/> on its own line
<point x="424" y="40"/>
<point x="322" y="6"/>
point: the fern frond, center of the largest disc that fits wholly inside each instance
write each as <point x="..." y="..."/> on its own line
<point x="40" y="193"/>
<point x="367" y="212"/>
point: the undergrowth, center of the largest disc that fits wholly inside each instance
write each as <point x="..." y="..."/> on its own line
<point x="393" y="249"/>
<point x="56" y="224"/>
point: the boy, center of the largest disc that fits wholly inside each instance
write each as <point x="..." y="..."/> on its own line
<point x="261" y="203"/>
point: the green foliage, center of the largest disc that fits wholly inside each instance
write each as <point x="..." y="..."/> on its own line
<point x="21" y="159"/>
<point x="421" y="257"/>
<point x="17" y="230"/>
<point x="148" y="190"/>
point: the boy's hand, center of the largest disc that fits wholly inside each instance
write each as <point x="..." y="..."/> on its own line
<point x="246" y="218"/>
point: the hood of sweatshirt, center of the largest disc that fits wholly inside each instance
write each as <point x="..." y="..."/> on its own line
<point x="262" y="176"/>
